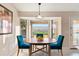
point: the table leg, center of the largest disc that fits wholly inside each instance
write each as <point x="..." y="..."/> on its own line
<point x="30" y="51"/>
<point x="33" y="46"/>
<point x="49" y="51"/>
<point x="46" y="47"/>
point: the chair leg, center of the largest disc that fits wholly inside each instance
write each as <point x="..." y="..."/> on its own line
<point x="58" y="50"/>
<point x="21" y="50"/>
<point x="49" y="51"/>
<point x="18" y="52"/>
<point x="30" y="50"/>
<point x="61" y="52"/>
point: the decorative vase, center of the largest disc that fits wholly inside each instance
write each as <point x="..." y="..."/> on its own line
<point x="39" y="38"/>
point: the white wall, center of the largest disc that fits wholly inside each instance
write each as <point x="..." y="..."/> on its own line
<point x="8" y="41"/>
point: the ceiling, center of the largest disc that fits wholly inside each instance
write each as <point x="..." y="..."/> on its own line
<point x="31" y="7"/>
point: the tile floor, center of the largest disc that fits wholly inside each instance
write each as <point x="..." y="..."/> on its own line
<point x="66" y="52"/>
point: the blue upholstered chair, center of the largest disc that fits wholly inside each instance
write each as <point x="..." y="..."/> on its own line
<point x="57" y="44"/>
<point x="22" y="44"/>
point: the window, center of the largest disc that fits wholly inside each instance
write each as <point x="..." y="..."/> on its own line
<point x="23" y="27"/>
<point x="40" y="29"/>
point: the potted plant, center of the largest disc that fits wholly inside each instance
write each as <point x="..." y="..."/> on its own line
<point x="39" y="38"/>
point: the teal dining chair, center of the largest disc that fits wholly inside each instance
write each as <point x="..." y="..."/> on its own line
<point x="57" y="45"/>
<point x="22" y="44"/>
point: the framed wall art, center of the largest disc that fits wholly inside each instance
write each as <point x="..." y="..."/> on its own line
<point x="6" y="19"/>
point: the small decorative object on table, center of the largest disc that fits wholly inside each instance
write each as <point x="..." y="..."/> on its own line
<point x="40" y="38"/>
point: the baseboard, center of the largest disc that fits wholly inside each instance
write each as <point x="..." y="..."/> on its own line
<point x="73" y="48"/>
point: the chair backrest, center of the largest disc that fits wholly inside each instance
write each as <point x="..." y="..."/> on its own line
<point x="20" y="40"/>
<point x="41" y="35"/>
<point x="60" y="40"/>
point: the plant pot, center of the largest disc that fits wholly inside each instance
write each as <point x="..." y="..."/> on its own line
<point x="40" y="39"/>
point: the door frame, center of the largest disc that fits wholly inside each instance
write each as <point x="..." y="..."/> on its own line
<point x="71" y="18"/>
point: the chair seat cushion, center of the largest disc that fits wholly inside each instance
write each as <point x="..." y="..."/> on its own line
<point x="54" y="46"/>
<point x="24" y="45"/>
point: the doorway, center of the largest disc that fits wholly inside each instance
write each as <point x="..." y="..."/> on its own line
<point x="40" y="27"/>
<point x="56" y="28"/>
<point x="74" y="32"/>
<point x="51" y="28"/>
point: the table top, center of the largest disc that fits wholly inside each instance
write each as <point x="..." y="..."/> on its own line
<point x="35" y="41"/>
